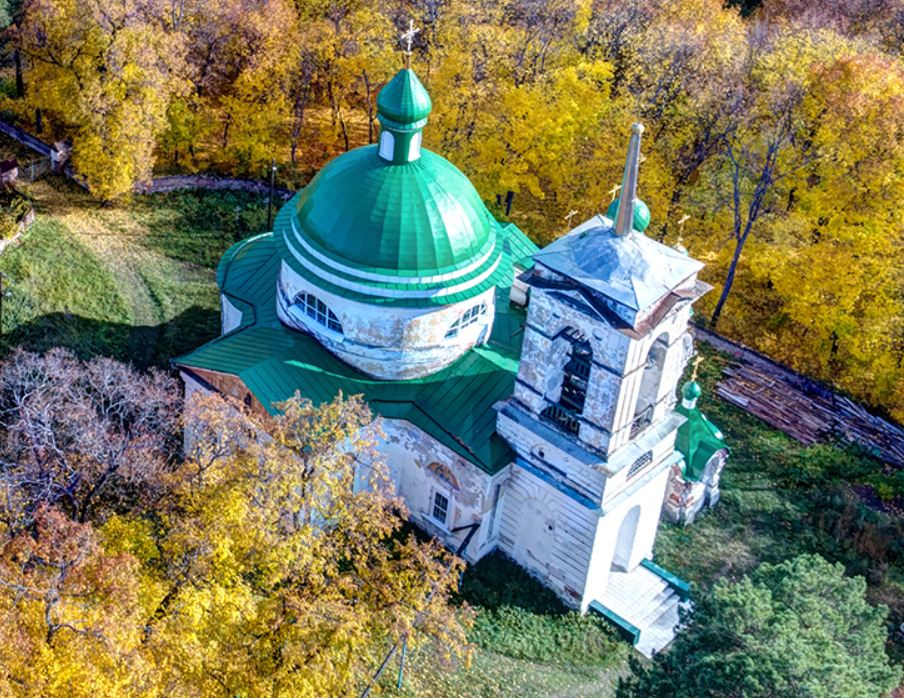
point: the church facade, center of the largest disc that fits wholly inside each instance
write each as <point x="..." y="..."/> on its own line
<point x="528" y="396"/>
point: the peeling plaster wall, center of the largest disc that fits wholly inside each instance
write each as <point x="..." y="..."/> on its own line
<point x="392" y="343"/>
<point x="553" y="459"/>
<point x="617" y="371"/>
<point x="409" y="453"/>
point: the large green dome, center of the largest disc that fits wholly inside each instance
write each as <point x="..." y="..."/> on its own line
<point x="393" y="223"/>
<point x="418" y="219"/>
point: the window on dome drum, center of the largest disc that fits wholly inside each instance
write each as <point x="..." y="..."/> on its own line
<point x="440" y="507"/>
<point x="316" y="309"/>
<point x="387" y="144"/>
<point x="469" y="318"/>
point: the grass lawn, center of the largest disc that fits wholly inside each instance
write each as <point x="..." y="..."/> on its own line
<point x="136" y="282"/>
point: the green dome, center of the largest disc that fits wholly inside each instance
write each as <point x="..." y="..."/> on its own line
<point x="420" y="219"/>
<point x="404" y="99"/>
<point x="641" y="214"/>
<point x="691" y="391"/>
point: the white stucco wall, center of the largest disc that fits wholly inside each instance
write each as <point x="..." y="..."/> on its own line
<point x="409" y="453"/>
<point x="392" y="343"/>
<point x="617" y="372"/>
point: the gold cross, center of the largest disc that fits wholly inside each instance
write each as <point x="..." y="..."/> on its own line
<point x="697" y="363"/>
<point x="614" y="191"/>
<point x="682" y="221"/>
<point x="571" y="214"/>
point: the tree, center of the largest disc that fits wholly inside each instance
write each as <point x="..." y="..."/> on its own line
<point x="78" y="435"/>
<point x="105" y="74"/>
<point x="800" y="629"/>
<point x="71" y="626"/>
<point x="289" y="572"/>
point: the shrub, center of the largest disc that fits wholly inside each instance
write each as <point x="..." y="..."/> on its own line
<point x="520" y="618"/>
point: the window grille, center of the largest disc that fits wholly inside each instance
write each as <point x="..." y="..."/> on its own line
<point x="469" y="317"/>
<point x="440" y="507"/>
<point x="316" y="309"/>
<point x="640" y="463"/>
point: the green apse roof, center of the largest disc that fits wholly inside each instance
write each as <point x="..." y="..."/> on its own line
<point x="404" y="99"/>
<point x="423" y="218"/>
<point x="454" y="406"/>
<point x="698" y="439"/>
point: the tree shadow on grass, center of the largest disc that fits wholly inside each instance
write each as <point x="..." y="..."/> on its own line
<point x="144" y="347"/>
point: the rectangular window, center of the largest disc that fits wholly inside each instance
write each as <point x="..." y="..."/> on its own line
<point x="440" y="508"/>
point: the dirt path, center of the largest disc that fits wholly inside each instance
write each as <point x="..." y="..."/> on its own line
<point x="112" y="236"/>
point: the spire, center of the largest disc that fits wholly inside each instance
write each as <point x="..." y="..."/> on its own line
<point x="624" y="223"/>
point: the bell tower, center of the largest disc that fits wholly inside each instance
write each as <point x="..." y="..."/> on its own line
<point x="592" y="413"/>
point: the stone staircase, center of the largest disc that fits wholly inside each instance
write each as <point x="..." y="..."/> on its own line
<point x="647" y="602"/>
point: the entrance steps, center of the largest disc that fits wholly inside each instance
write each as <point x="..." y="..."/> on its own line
<point x="647" y="602"/>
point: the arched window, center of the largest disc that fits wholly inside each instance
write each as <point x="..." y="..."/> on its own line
<point x="650" y="385"/>
<point x="469" y="317"/>
<point x="575" y="378"/>
<point x="387" y="145"/>
<point x="316" y="309"/>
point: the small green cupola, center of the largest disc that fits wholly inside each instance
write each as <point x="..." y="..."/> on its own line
<point x="402" y="108"/>
<point x="698" y="439"/>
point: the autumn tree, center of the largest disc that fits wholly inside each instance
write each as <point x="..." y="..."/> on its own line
<point x="798" y="629"/>
<point x="81" y="436"/>
<point x="104" y="74"/>
<point x="289" y="572"/>
<point x="71" y="624"/>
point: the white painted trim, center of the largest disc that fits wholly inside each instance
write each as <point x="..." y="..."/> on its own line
<point x="414" y="147"/>
<point x="370" y="276"/>
<point x="387" y="292"/>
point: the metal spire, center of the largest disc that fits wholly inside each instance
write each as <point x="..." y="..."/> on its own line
<point x="624" y="221"/>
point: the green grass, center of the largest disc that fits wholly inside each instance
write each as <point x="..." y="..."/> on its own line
<point x="136" y="282"/>
<point x="198" y="225"/>
<point x="525" y="643"/>
<point x="60" y="295"/>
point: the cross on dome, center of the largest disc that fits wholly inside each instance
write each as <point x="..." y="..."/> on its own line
<point x="409" y="37"/>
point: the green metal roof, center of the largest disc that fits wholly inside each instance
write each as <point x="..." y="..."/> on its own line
<point x="455" y="405"/>
<point x="698" y="439"/>
<point x="422" y="218"/>
<point x="404" y="99"/>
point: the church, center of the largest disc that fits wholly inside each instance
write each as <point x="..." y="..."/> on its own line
<point x="527" y="396"/>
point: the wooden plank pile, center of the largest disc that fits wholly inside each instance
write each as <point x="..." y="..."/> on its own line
<point x="808" y="411"/>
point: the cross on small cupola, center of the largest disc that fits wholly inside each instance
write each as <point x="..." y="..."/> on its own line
<point x="408" y="37"/>
<point x="402" y="107"/>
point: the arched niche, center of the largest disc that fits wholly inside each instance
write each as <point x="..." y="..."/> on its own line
<point x="649" y="384"/>
<point x="624" y="543"/>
